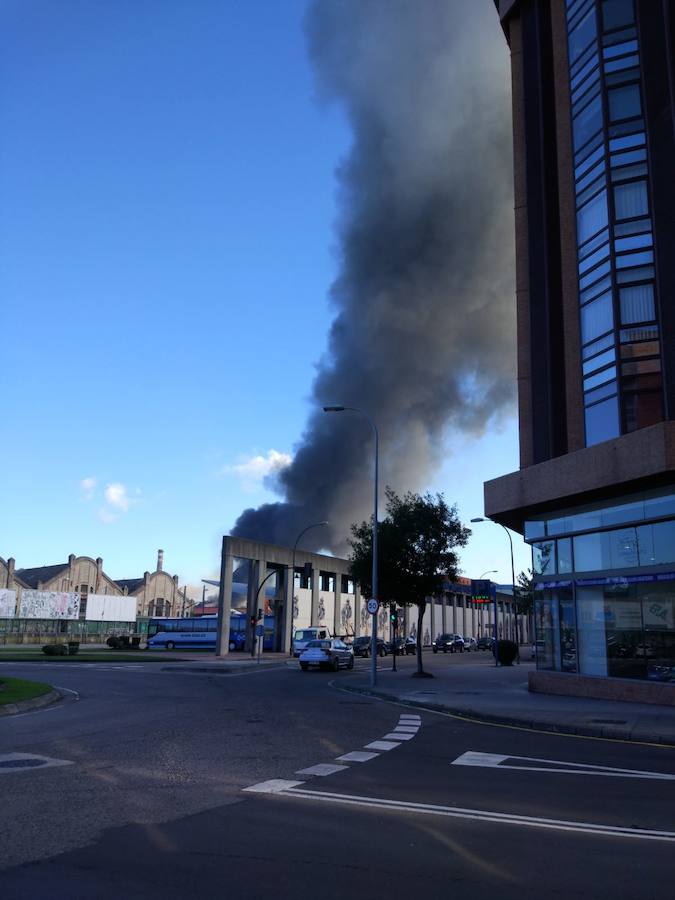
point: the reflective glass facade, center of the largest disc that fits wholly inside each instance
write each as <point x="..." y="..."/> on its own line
<point x="605" y="587"/>
<point x="621" y="366"/>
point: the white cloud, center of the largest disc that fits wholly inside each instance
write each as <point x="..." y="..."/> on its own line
<point x="105" y="515"/>
<point x="87" y="487"/>
<point x="255" y="471"/>
<point x="116" y="496"/>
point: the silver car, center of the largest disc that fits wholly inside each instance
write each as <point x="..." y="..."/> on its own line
<point x="329" y="654"/>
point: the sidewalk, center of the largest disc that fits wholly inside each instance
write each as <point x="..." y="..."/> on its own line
<point x="479" y="690"/>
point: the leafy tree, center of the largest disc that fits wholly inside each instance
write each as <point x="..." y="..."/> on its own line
<point x="525" y="592"/>
<point x="417" y="543"/>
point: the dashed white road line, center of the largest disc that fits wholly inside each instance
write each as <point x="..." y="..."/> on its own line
<point x="322" y="769"/>
<point x="405" y="730"/>
<point x="357" y="756"/>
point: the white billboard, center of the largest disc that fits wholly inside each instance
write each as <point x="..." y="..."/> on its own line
<point x="49" y="605"/>
<point x="110" y="608"/>
<point x="7" y="603"/>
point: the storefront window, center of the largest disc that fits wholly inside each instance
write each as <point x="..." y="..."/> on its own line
<point x="591" y="631"/>
<point x="568" y="631"/>
<point x="543" y="558"/>
<point x="564" y="551"/>
<point x="546" y="625"/>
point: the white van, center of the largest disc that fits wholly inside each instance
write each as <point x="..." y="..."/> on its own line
<point x="303" y="636"/>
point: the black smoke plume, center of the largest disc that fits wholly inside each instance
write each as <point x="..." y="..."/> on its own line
<point x="424" y="332"/>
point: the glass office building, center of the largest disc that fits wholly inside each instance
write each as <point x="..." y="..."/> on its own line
<point x="594" y="159"/>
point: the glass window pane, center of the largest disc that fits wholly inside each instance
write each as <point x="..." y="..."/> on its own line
<point x="641" y="409"/>
<point x="534" y="529"/>
<point x="543" y="558"/>
<point x="600" y="393"/>
<point x="596" y="318"/>
<point x="593" y="216"/>
<point x="619" y="49"/>
<point x="602" y="422"/>
<point x="618" y="65"/>
<point x="598" y="345"/>
<point x="564" y="550"/>
<point x="587" y="123"/>
<point x="639" y="273"/>
<point x="616" y="13"/>
<point x="624" y="102"/>
<point x="581" y="36"/>
<point x="637" y="304"/>
<point x="631" y="140"/>
<point x="630" y="200"/>
<point x="625" y="261"/>
<point x="634" y="242"/>
<point x="660" y="506"/>
<point x="594" y="275"/>
<point x="601" y="377"/>
<point x="591" y="629"/>
<point x="657" y="543"/>
<point x="604" y="359"/>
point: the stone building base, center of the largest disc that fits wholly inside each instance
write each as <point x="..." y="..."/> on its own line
<point x="601" y="688"/>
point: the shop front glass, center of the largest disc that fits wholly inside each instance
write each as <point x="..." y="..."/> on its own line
<point x="621" y="629"/>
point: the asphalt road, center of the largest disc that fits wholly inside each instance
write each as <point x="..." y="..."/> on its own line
<point x="155" y="799"/>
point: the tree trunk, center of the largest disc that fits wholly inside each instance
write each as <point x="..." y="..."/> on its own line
<point x="420" y="616"/>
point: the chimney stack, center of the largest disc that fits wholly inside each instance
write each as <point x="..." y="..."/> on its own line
<point x="160" y="560"/>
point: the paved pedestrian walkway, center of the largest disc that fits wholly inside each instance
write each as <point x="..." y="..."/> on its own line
<point x="482" y="691"/>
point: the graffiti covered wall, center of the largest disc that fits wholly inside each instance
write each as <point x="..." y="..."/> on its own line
<point x="49" y="605"/>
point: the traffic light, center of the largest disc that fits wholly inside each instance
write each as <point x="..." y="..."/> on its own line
<point x="252" y="621"/>
<point x="307" y="571"/>
<point x="393" y="616"/>
<point x="260" y="614"/>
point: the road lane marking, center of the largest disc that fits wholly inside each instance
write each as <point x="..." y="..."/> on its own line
<point x="480" y="815"/>
<point x="398" y="736"/>
<point x="357" y="756"/>
<point x="382" y="745"/>
<point x="411" y="719"/>
<point x="410" y="729"/>
<point x="322" y="769"/>
<point x="12" y="763"/>
<point x="552" y="766"/>
<point x="273" y="786"/>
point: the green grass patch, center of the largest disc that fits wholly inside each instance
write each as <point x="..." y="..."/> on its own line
<point x="13" y="690"/>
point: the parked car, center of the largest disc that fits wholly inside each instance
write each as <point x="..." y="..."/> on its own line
<point x="329" y="654"/>
<point x="404" y="646"/>
<point x="470" y="644"/>
<point x="448" y="642"/>
<point x="362" y="646"/>
<point x="303" y="636"/>
<point x="485" y="643"/>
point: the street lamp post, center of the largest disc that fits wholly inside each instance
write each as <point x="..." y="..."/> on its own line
<point x="513" y="579"/>
<point x="373" y="642"/>
<point x="289" y="611"/>
<point x="487" y="572"/>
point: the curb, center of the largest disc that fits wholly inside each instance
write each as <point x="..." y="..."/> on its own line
<point x="612" y="733"/>
<point x="11" y="709"/>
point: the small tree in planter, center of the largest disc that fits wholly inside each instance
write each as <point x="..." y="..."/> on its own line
<point x="417" y="543"/>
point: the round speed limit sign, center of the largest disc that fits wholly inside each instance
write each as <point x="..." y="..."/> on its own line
<point x="372" y="606"/>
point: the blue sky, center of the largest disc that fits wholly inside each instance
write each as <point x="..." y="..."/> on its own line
<point x="166" y="250"/>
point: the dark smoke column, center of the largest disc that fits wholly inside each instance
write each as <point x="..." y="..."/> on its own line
<point x="423" y="335"/>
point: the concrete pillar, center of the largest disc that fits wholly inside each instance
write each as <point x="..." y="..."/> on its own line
<point x="316" y="585"/>
<point x="473" y="620"/>
<point x="454" y="613"/>
<point x="289" y="593"/>
<point x="433" y="619"/>
<point x="337" y="590"/>
<point x="224" y="602"/>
